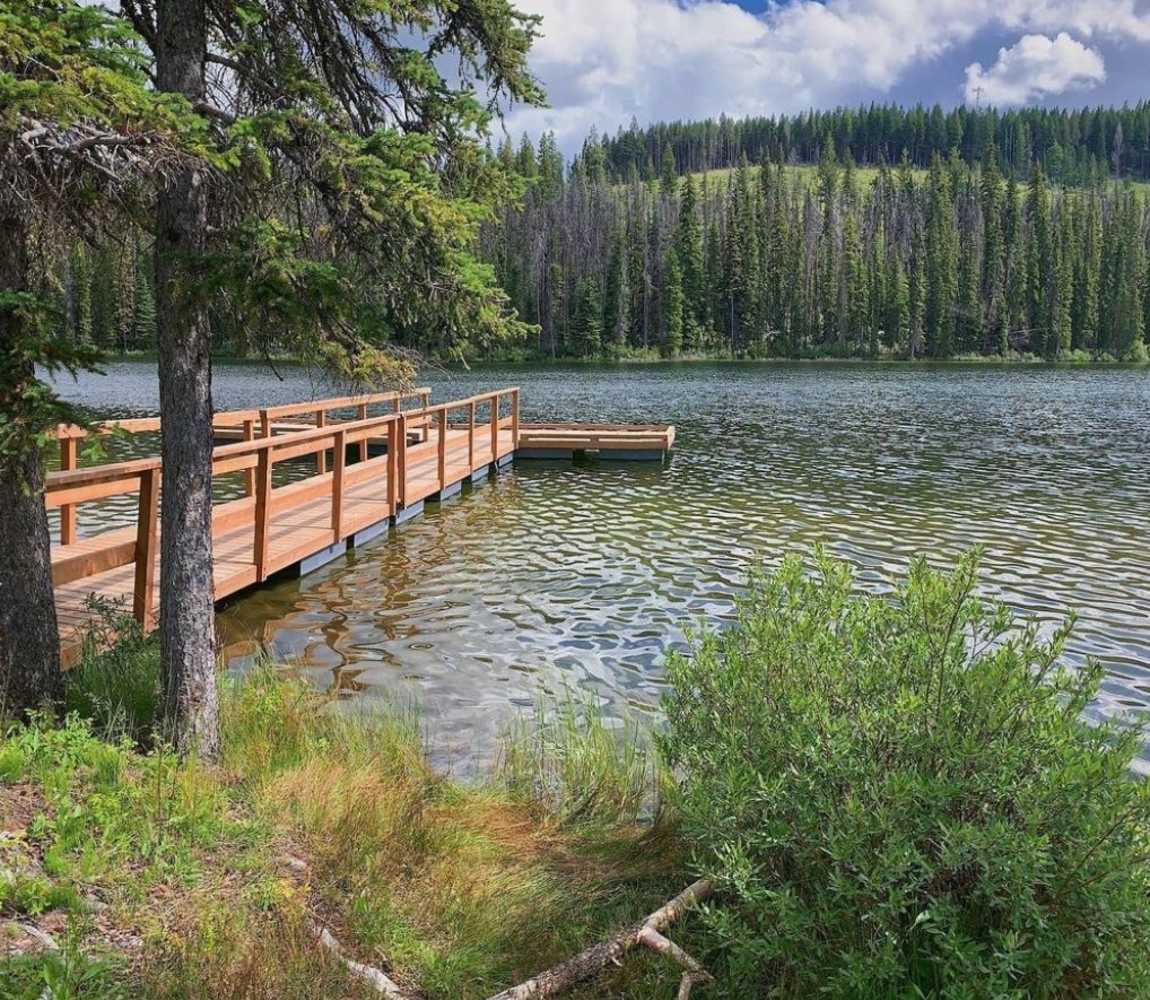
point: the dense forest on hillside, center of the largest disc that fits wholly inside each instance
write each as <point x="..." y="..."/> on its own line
<point x="873" y="232"/>
<point x="772" y="260"/>
<point x="1080" y="146"/>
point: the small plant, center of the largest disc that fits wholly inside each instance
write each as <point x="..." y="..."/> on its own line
<point x="898" y="797"/>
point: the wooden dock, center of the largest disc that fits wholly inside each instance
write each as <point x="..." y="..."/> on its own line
<point x="630" y="443"/>
<point x="368" y="472"/>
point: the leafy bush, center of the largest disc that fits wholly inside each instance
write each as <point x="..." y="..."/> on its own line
<point x="898" y="797"/>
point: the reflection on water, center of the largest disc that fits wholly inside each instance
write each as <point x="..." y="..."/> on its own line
<point x="584" y="574"/>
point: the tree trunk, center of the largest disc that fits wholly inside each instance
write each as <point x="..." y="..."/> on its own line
<point x="187" y="619"/>
<point x="30" y="674"/>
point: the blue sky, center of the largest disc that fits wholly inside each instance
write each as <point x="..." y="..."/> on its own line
<point x="606" y="61"/>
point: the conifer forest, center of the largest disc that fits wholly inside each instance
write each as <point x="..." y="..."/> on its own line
<point x="873" y="233"/>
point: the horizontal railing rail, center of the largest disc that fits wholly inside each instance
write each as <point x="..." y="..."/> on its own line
<point x="252" y="423"/>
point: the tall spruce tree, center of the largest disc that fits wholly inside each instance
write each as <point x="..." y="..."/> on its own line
<point x="82" y="134"/>
<point x="397" y="187"/>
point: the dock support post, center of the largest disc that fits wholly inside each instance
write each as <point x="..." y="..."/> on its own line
<point x="144" y="587"/>
<point x="68" y="455"/>
<point x="392" y="464"/>
<point x="263" y="501"/>
<point x="249" y="474"/>
<point x="495" y="427"/>
<point x="339" y="459"/>
<point x="471" y="436"/>
<point x="362" y="413"/>
<point x="401" y="454"/>
<point x="321" y="455"/>
<point x="514" y="419"/>
<point x="442" y="448"/>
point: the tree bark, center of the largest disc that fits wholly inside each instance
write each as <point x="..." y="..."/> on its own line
<point x="187" y="596"/>
<point x="30" y="676"/>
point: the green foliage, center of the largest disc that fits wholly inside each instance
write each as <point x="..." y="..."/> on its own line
<point x="109" y="807"/>
<point x="898" y="797"/>
<point x="115" y="686"/>
<point x="573" y="763"/>
<point x="66" y="974"/>
<point x="30" y="408"/>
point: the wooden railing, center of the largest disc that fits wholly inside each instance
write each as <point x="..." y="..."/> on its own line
<point x="440" y="415"/>
<point x="256" y="458"/>
<point x="252" y="423"/>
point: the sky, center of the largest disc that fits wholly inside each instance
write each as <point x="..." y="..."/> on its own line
<point x="605" y="62"/>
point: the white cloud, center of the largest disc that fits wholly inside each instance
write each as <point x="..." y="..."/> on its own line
<point x="603" y="61"/>
<point x="1035" y="67"/>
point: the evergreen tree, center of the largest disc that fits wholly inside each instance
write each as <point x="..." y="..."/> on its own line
<point x="673" y="301"/>
<point x="857" y="304"/>
<point x="669" y="175"/>
<point x="144" y="306"/>
<point x="897" y="323"/>
<point x="588" y="321"/>
<point x="940" y="272"/>
<point x="1040" y="277"/>
<point x="616" y="320"/>
<point x="689" y="253"/>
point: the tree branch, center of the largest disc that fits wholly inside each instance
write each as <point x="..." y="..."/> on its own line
<point x="593" y="960"/>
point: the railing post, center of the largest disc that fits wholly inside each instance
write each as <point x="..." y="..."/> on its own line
<point x="471" y="436"/>
<point x="424" y="403"/>
<point x="339" y="460"/>
<point x="362" y="414"/>
<point x="442" y="448"/>
<point x="321" y="455"/>
<point x="515" y="419"/>
<point x="401" y="457"/>
<point x="68" y="456"/>
<point x="144" y="588"/>
<point x="265" y="424"/>
<point x="263" y="511"/>
<point x="392" y="463"/>
<point x="495" y="427"/>
<point x="249" y="474"/>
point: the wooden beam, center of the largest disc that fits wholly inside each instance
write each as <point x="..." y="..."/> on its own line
<point x="441" y="450"/>
<point x="361" y="412"/>
<point x="339" y="460"/>
<point x="147" y="532"/>
<point x="249" y="476"/>
<point x="69" y="450"/>
<point x="261" y="519"/>
<point x="321" y="455"/>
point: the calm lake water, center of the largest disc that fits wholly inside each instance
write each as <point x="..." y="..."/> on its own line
<point x="561" y="575"/>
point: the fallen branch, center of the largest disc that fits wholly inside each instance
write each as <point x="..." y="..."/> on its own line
<point x="375" y="978"/>
<point x="593" y="960"/>
<point x="369" y="974"/>
<point x="43" y="938"/>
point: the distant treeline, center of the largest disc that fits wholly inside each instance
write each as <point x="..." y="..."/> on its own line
<point x="772" y="261"/>
<point x="1073" y="146"/>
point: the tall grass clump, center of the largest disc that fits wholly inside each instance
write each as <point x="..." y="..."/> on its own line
<point x="116" y="683"/>
<point x="898" y="797"/>
<point x="572" y="762"/>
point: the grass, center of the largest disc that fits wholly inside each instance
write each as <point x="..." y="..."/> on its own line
<point x="167" y="879"/>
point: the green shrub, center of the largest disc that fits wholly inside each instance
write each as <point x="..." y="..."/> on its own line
<point x="898" y="797"/>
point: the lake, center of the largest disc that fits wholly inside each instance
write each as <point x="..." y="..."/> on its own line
<point x="561" y="576"/>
